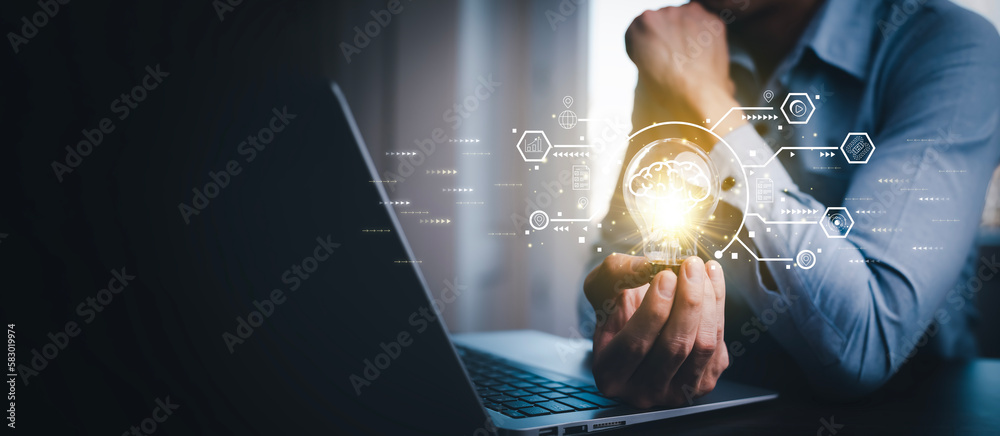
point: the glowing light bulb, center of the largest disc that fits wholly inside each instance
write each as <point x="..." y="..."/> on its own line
<point x="671" y="189"/>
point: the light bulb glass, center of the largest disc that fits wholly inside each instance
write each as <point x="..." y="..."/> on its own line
<point x="671" y="189"/>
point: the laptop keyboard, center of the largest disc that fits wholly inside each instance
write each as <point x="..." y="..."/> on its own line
<point x="519" y="394"/>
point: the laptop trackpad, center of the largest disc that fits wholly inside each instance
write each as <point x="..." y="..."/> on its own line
<point x="531" y="347"/>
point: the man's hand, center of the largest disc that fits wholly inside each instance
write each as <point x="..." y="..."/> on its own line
<point x="660" y="343"/>
<point x="683" y="62"/>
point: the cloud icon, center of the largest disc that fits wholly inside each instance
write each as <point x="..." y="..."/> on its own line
<point x="671" y="179"/>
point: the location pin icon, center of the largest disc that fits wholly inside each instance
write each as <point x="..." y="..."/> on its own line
<point x="568" y="101"/>
<point x="768" y="95"/>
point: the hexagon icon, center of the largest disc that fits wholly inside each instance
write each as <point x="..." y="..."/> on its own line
<point x="798" y="108"/>
<point x="857" y="147"/>
<point x="533" y="146"/>
<point x="836" y="222"/>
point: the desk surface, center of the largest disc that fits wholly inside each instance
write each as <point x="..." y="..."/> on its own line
<point x="953" y="399"/>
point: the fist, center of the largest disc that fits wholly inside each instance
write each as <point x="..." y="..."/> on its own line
<point x="683" y="62"/>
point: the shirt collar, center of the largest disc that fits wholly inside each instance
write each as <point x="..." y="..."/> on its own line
<point x="843" y="34"/>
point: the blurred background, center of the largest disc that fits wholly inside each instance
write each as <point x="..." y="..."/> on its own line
<point x="442" y="90"/>
<point x="407" y="81"/>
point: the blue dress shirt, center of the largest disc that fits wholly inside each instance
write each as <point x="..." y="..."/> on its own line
<point x="922" y="79"/>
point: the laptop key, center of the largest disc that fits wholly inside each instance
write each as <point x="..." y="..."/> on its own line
<point x="501" y="398"/>
<point x="591" y="389"/>
<point x="576" y="403"/>
<point x="596" y="399"/>
<point x="518" y="393"/>
<point x="551" y="385"/>
<point x="537" y="390"/>
<point x="521" y="385"/>
<point x="503" y="388"/>
<point x="566" y="390"/>
<point x="534" y="399"/>
<point x="555" y="406"/>
<point x="554" y="395"/>
<point x="516" y="404"/>
<point x="534" y="411"/>
<point x="577" y="384"/>
<point x="512" y="413"/>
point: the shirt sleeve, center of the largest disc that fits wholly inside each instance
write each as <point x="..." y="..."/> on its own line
<point x="858" y="313"/>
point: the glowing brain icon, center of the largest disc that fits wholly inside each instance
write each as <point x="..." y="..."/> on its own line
<point x="683" y="182"/>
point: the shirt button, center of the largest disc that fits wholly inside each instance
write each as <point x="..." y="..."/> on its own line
<point x="763" y="129"/>
<point x="728" y="183"/>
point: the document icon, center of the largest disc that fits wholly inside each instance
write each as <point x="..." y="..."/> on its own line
<point x="581" y="178"/>
<point x="765" y="191"/>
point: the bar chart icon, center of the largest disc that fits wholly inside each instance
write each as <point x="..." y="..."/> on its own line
<point x="534" y="146"/>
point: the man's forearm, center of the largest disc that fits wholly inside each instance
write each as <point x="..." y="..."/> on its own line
<point x="861" y="295"/>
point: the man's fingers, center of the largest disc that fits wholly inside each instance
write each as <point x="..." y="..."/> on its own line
<point x="613" y="320"/>
<point x="626" y="350"/>
<point x="718" y="279"/>
<point x="698" y="363"/>
<point x="617" y="273"/>
<point x="678" y="336"/>
<point x="720" y="361"/>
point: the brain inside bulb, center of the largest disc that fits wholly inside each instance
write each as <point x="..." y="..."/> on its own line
<point x="671" y="189"/>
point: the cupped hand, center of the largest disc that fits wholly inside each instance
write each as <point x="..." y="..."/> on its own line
<point x="660" y="343"/>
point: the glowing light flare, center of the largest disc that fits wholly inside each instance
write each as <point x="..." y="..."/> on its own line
<point x="671" y="188"/>
<point x="668" y="213"/>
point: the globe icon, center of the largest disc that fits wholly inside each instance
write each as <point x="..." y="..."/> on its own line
<point x="567" y="119"/>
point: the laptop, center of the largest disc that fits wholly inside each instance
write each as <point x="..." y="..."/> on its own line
<point x="529" y="382"/>
<point x="388" y="363"/>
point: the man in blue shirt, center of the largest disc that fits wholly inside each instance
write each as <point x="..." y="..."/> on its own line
<point x="922" y="79"/>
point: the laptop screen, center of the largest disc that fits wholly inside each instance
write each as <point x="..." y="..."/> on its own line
<point x="283" y="285"/>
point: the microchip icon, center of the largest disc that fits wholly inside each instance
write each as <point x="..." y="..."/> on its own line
<point x="857" y="148"/>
